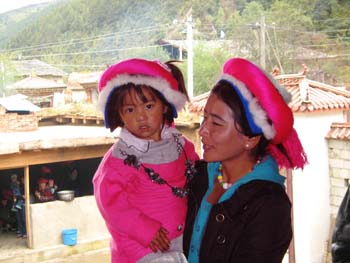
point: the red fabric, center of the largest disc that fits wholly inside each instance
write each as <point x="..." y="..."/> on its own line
<point x="138" y="67"/>
<point x="42" y="180"/>
<point x="265" y="91"/>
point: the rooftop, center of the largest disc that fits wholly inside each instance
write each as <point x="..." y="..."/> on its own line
<point x="307" y="95"/>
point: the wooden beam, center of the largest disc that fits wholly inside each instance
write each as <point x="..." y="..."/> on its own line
<point x="27" y="158"/>
<point x="291" y="249"/>
<point x="27" y="208"/>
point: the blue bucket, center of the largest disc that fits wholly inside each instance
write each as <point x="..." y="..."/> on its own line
<point x="69" y="236"/>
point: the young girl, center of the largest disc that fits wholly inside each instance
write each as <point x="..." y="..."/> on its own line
<point x="141" y="183"/>
<point x="238" y="210"/>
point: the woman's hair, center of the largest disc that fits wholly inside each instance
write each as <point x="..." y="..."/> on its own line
<point x="117" y="96"/>
<point x="224" y="91"/>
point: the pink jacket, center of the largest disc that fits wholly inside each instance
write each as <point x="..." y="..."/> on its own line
<point x="134" y="207"/>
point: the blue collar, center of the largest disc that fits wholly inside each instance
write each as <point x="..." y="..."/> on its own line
<point x="266" y="170"/>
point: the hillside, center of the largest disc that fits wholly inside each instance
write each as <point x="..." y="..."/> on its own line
<point x="13" y="22"/>
<point x="79" y="35"/>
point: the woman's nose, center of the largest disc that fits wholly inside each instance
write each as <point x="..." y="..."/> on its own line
<point x="203" y="130"/>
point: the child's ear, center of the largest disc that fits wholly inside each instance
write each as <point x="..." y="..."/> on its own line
<point x="165" y="109"/>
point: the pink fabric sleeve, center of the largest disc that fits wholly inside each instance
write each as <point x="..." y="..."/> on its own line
<point x="112" y="200"/>
<point x="190" y="150"/>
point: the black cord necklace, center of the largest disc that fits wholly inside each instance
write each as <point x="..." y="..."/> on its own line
<point x="132" y="160"/>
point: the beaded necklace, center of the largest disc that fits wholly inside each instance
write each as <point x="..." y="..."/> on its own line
<point x="223" y="184"/>
<point x="132" y="160"/>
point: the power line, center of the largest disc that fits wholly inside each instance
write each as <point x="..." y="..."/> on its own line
<point x="92" y="52"/>
<point x="83" y="40"/>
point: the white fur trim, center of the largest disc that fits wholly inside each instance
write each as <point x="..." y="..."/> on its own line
<point x="176" y="98"/>
<point x="259" y="115"/>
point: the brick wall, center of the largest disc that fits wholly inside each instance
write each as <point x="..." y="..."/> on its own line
<point x="12" y="122"/>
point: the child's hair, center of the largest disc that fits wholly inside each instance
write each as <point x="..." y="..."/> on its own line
<point x="165" y="81"/>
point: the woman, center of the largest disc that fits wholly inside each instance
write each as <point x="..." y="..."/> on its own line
<point x="238" y="210"/>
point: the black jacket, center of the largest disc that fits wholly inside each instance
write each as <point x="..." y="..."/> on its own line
<point x="253" y="226"/>
<point x="341" y="234"/>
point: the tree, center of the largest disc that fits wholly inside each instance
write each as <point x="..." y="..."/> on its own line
<point x="7" y="72"/>
<point x="207" y="64"/>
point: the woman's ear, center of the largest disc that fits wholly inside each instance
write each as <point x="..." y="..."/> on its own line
<point x="251" y="142"/>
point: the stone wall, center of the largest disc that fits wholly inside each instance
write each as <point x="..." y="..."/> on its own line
<point x="339" y="176"/>
<point x="13" y="122"/>
<point x="339" y="171"/>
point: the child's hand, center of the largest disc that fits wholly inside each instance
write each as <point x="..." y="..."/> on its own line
<point x="160" y="241"/>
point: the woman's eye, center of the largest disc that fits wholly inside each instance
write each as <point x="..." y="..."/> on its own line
<point x="217" y="124"/>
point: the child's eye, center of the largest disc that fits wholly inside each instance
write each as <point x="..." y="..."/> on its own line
<point x="149" y="105"/>
<point x="128" y="110"/>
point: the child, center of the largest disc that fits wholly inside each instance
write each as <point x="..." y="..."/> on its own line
<point x="141" y="183"/>
<point x="43" y="193"/>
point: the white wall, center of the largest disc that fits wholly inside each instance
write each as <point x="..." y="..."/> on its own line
<point x="50" y="218"/>
<point x="311" y="188"/>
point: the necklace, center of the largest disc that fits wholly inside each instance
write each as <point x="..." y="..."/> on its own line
<point x="132" y="160"/>
<point x="223" y="184"/>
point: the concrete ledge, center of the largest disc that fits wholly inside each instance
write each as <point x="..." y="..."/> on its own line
<point x="87" y="251"/>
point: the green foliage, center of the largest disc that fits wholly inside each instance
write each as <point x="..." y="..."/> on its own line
<point x="7" y="75"/>
<point x="207" y="64"/>
<point x="79" y="35"/>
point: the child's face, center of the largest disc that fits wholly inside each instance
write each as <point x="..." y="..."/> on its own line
<point x="143" y="119"/>
<point x="42" y="186"/>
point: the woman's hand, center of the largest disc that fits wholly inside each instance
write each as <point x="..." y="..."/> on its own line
<point x="160" y="241"/>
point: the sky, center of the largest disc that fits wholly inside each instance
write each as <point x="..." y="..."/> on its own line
<point x="7" y="5"/>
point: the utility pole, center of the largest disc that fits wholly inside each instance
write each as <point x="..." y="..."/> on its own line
<point x="189" y="57"/>
<point x="262" y="44"/>
<point x="2" y="89"/>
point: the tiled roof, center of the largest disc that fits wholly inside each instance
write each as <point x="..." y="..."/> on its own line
<point x="307" y="95"/>
<point x="77" y="80"/>
<point x="34" y="82"/>
<point x="339" y="131"/>
<point x="85" y="78"/>
<point x="36" y="67"/>
<point x="18" y="103"/>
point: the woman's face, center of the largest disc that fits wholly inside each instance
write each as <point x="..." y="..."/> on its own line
<point x="220" y="138"/>
<point x="143" y="119"/>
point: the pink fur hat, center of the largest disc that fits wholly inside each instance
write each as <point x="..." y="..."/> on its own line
<point x="266" y="108"/>
<point x="140" y="72"/>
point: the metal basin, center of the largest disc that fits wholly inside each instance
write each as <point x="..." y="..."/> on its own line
<point x="65" y="195"/>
